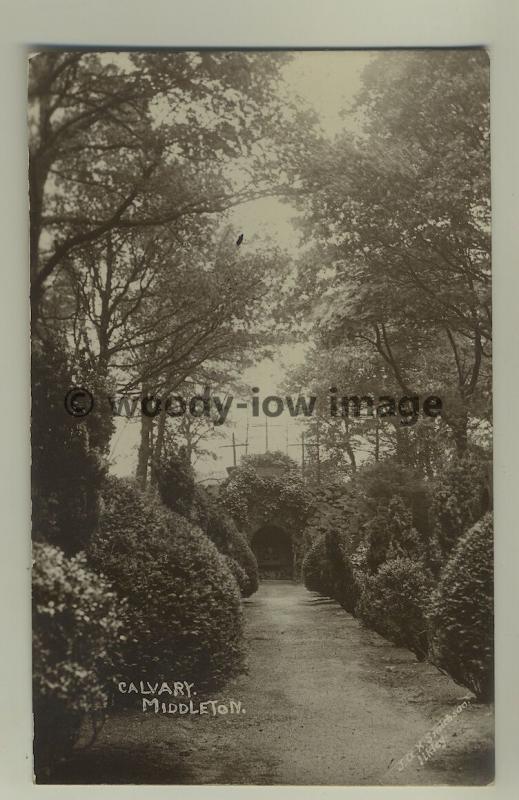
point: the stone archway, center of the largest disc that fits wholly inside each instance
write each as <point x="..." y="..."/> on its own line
<point x="272" y="546"/>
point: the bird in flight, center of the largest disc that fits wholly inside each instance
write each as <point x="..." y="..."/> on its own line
<point x="239" y="240"/>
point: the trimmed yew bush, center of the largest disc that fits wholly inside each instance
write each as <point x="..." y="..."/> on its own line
<point x="201" y="508"/>
<point x="394" y="603"/>
<point x="223" y="532"/>
<point x="462" y="613"/>
<point x="327" y="570"/>
<point x="77" y="630"/>
<point x="176" y="483"/>
<point x="184" y="609"/>
<point x="315" y="567"/>
<point x="344" y="587"/>
<point x="67" y="470"/>
<point x="240" y="576"/>
<point x="179" y="493"/>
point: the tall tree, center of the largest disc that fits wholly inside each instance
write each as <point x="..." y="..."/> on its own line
<point x="401" y="214"/>
<point x="122" y="142"/>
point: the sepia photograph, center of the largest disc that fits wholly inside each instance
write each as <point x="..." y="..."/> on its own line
<point x="261" y="417"/>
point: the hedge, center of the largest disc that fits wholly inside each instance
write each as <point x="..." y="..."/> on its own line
<point x="327" y="570"/>
<point x="184" y="610"/>
<point x="176" y="483"/>
<point x="394" y="603"/>
<point x="223" y="532"/>
<point x="462" y="611"/>
<point x="67" y="470"/>
<point x="315" y="567"/>
<point x="77" y="639"/>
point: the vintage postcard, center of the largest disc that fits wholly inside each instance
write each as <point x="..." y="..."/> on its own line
<point x="261" y="417"/>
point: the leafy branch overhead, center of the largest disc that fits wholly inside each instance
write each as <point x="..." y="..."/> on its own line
<point x="144" y="140"/>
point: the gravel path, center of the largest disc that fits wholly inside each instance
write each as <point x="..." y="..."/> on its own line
<point x="326" y="702"/>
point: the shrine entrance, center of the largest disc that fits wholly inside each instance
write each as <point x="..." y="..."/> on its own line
<point x="272" y="547"/>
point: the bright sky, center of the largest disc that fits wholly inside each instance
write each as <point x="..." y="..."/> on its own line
<point x="328" y="81"/>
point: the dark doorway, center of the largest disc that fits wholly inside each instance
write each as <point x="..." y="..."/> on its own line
<point x="273" y="549"/>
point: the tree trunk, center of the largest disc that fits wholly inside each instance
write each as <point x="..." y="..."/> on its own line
<point x="347" y="446"/>
<point x="159" y="441"/>
<point x="145" y="445"/>
<point x="459" y="429"/>
<point x="377" y="439"/>
<point x="106" y="311"/>
<point x="403" y="446"/>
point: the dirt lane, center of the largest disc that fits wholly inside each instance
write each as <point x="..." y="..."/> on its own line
<point x="326" y="702"/>
<point x="329" y="702"/>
